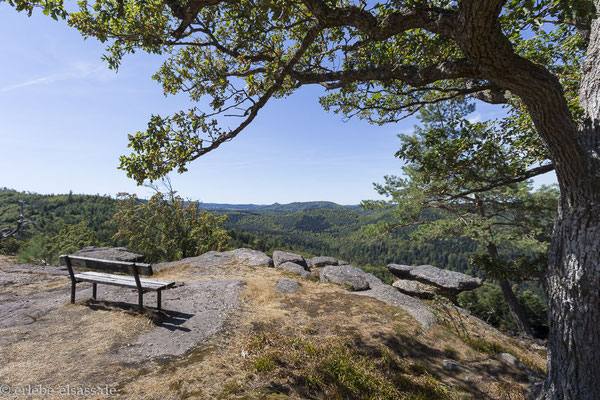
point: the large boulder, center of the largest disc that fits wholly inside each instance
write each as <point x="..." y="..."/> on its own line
<point x="280" y="257"/>
<point x="295" y="268"/>
<point x="252" y="258"/>
<point x="110" y="253"/>
<point x="322" y="261"/>
<point x="401" y="271"/>
<point x="448" y="282"/>
<point x="415" y="288"/>
<point x="349" y="275"/>
<point x="373" y="280"/>
<point x="287" y="286"/>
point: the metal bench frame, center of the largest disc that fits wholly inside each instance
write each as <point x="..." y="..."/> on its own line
<point x="131" y="268"/>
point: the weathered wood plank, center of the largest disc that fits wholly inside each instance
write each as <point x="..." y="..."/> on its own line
<point x="134" y="282"/>
<point x="142" y="280"/>
<point x="120" y="281"/>
<point x="107" y="265"/>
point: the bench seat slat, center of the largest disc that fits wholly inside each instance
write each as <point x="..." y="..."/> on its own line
<point x="124" y="281"/>
<point x="142" y="280"/>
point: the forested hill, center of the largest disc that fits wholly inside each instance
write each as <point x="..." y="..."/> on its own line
<point x="49" y="213"/>
<point x="313" y="228"/>
<point x="337" y="232"/>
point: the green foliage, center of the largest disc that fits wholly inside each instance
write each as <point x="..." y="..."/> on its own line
<point x="10" y="246"/>
<point x="67" y="241"/>
<point x="167" y="228"/>
<point x="487" y="303"/>
<point x="50" y="213"/>
<point x="337" y="233"/>
<point x="263" y="364"/>
<point x="35" y="251"/>
<point x="448" y="158"/>
<point x="238" y="55"/>
<point x="52" y="8"/>
<point x="72" y="238"/>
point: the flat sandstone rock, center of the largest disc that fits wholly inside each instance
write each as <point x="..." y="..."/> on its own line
<point x="349" y="275"/>
<point x="449" y="282"/>
<point x="280" y="257"/>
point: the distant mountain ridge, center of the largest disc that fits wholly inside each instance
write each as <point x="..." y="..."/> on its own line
<point x="277" y="208"/>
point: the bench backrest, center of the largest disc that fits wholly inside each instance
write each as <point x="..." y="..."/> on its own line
<point x="106" y="265"/>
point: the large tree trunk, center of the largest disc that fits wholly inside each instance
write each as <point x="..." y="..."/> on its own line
<point x="516" y="311"/>
<point x="572" y="286"/>
<point x="573" y="275"/>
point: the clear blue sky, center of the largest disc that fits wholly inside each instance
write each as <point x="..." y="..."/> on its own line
<point x="64" y="120"/>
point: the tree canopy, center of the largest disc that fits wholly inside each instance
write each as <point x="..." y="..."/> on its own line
<point x="379" y="61"/>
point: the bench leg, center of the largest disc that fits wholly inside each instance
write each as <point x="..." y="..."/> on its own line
<point x="73" y="291"/>
<point x="94" y="290"/>
<point x="140" y="300"/>
<point x="158" y="292"/>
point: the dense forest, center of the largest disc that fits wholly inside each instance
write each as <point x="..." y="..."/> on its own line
<point x="311" y="229"/>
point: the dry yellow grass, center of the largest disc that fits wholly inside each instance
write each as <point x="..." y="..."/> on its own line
<point x="275" y="346"/>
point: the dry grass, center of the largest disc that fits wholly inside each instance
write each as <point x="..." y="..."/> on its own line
<point x="7" y="260"/>
<point x="320" y="343"/>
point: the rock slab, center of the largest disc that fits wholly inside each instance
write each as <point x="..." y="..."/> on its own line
<point x="253" y="258"/>
<point x="322" y="261"/>
<point x="110" y="253"/>
<point x="280" y="257"/>
<point x="449" y="282"/>
<point x="295" y="268"/>
<point x="287" y="286"/>
<point x="388" y="294"/>
<point x="415" y="288"/>
<point x="349" y="275"/>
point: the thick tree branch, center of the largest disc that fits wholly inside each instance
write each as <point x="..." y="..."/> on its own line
<point x="507" y="181"/>
<point x="434" y="19"/>
<point x="310" y="37"/>
<point x="408" y="74"/>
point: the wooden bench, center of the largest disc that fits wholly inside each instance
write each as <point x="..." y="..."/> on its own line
<point x="133" y="281"/>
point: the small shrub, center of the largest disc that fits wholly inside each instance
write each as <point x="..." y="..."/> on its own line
<point x="263" y="364"/>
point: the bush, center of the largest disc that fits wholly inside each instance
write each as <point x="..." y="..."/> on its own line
<point x="167" y="228"/>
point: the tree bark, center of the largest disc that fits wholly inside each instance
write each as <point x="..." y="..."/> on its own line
<point x="572" y="285"/>
<point x="516" y="311"/>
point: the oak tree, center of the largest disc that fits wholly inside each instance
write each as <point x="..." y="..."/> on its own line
<point x="382" y="61"/>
